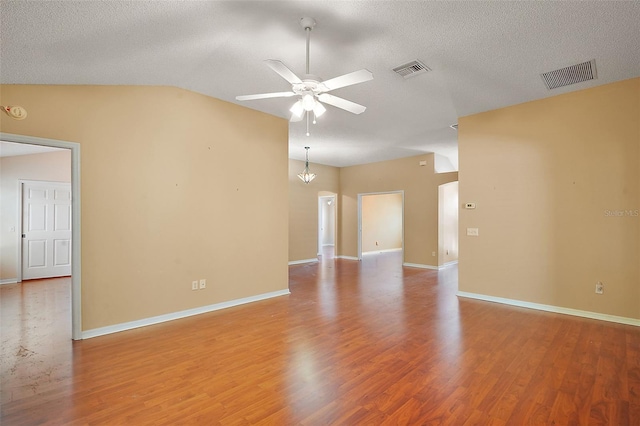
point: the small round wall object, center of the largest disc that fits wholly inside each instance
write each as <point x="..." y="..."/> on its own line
<point x="15" y="112"/>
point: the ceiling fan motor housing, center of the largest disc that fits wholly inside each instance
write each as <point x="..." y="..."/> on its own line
<point x="311" y="84"/>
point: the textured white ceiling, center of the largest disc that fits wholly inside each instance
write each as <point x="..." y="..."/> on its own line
<point x="484" y="55"/>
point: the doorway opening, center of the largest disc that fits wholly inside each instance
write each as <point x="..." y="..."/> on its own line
<point x="380" y="223"/>
<point x="327" y="226"/>
<point x="73" y="216"/>
<point x="448" y="206"/>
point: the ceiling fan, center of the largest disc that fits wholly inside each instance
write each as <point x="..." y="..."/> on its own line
<point x="311" y="90"/>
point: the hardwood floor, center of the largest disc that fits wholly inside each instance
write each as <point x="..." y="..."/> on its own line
<point x="356" y="343"/>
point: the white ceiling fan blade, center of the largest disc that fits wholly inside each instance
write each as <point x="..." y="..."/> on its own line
<point x="348" y="79"/>
<point x="284" y="72"/>
<point x="265" y="96"/>
<point x="341" y="103"/>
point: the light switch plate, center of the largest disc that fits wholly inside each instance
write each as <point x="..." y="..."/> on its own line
<point x="472" y="232"/>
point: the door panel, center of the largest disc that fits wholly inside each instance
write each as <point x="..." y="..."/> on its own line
<point x="61" y="253"/>
<point x="37" y="253"/>
<point x="37" y="220"/>
<point x="46" y="243"/>
<point x="62" y="217"/>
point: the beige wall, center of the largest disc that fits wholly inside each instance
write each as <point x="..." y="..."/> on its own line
<point x="381" y="222"/>
<point x="420" y="186"/>
<point x="557" y="187"/>
<point x="448" y="207"/>
<point x="176" y="186"/>
<point x="303" y="207"/>
<point x="50" y="166"/>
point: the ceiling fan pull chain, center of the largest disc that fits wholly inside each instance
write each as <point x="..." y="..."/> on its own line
<point x="307" y="123"/>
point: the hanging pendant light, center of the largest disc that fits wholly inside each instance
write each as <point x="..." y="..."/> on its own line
<point x="306" y="176"/>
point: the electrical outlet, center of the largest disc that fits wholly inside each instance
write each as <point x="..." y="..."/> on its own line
<point x="203" y="283"/>
<point x="599" y="288"/>
<point x="194" y="285"/>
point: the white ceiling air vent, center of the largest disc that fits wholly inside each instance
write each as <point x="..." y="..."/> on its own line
<point x="570" y="75"/>
<point x="411" y="69"/>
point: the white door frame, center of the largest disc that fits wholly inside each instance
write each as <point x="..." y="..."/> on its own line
<point x="360" y="218"/>
<point x="76" y="300"/>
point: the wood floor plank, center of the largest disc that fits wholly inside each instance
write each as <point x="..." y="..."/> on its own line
<point x="354" y="343"/>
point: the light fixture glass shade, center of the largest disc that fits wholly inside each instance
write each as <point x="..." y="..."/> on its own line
<point x="306" y="176"/>
<point x="308" y="102"/>
<point x="297" y="109"/>
<point x="319" y="109"/>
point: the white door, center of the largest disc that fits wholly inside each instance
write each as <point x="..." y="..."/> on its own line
<point x="46" y="230"/>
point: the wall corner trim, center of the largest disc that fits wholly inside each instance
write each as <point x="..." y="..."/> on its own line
<point x="298" y="262"/>
<point x="551" y="308"/>
<point x="347" y="257"/>
<point x="87" y="334"/>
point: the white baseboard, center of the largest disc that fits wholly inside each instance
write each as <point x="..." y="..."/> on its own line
<point x="298" y="262"/>
<point x="382" y="251"/>
<point x="346" y="257"/>
<point x="87" y="334"/>
<point x="9" y="281"/>
<point x="418" y="265"/>
<point x="551" y="308"/>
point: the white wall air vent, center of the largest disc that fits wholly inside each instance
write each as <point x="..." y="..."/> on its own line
<point x="411" y="69"/>
<point x="570" y="75"/>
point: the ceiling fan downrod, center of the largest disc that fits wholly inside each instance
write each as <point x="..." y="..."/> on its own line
<point x="308" y="24"/>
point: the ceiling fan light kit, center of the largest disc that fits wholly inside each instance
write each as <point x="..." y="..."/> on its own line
<point x="297" y="109"/>
<point x="311" y="90"/>
<point x="318" y="109"/>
